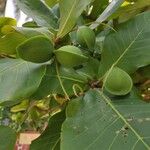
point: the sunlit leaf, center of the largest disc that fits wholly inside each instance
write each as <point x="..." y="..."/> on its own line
<point x="51" y="3"/>
<point x="70" y="10"/>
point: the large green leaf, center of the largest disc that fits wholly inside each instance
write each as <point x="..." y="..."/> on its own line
<point x="70" y="10"/>
<point x="111" y="8"/>
<point x="95" y="122"/>
<point x="129" y="48"/>
<point x="50" y="138"/>
<point x="40" y="12"/>
<point x="9" y="42"/>
<point x="51" y="84"/>
<point x="7" y="138"/>
<point x="19" y="79"/>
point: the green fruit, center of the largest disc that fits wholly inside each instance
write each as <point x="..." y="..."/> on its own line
<point x="37" y="49"/>
<point x="118" y="82"/>
<point x="86" y="37"/>
<point x="70" y="56"/>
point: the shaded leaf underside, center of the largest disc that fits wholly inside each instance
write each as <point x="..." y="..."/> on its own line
<point x="19" y="79"/>
<point x="40" y="12"/>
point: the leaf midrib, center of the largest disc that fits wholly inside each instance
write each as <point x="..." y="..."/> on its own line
<point x="121" y="56"/>
<point x="127" y="49"/>
<point x="72" y="8"/>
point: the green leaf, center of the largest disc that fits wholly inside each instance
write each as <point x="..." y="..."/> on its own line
<point x="51" y="84"/>
<point x="50" y="138"/>
<point x="31" y="32"/>
<point x="56" y="10"/>
<point x="70" y="10"/>
<point x="95" y="122"/>
<point x="37" y="49"/>
<point x="19" y="79"/>
<point x="51" y="3"/>
<point x="7" y="138"/>
<point x="20" y="107"/>
<point x="129" y="47"/>
<point x="30" y="24"/>
<point x="9" y="42"/>
<point x="40" y="12"/>
<point x="98" y="7"/>
<point x="89" y="69"/>
<point x="111" y="8"/>
<point x="6" y="21"/>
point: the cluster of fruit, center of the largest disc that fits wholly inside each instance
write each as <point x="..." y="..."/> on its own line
<point x="68" y="56"/>
<point x="116" y="81"/>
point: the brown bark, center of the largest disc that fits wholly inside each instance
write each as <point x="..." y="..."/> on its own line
<point x="2" y="6"/>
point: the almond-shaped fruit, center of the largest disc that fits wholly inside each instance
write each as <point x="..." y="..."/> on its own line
<point x="86" y="37"/>
<point x="70" y="56"/>
<point x="118" y="82"/>
<point x="38" y="49"/>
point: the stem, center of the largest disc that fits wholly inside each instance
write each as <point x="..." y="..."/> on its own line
<point x="60" y="81"/>
<point x="75" y="91"/>
<point x="104" y="24"/>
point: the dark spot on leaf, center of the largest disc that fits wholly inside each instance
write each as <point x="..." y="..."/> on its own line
<point x="126" y="128"/>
